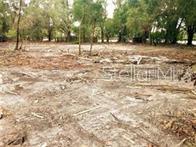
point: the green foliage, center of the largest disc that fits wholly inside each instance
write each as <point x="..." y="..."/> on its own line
<point x="11" y="34"/>
<point x="165" y="15"/>
<point x="138" y="20"/>
<point x="89" y="13"/>
<point x="157" y="37"/>
<point x="4" y="17"/>
<point x="120" y="20"/>
<point x="54" y="19"/>
<point x="109" y="29"/>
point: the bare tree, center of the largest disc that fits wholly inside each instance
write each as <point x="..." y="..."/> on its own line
<point x="18" y="26"/>
<point x="92" y="37"/>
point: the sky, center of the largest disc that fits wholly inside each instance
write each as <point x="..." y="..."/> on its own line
<point x="110" y="7"/>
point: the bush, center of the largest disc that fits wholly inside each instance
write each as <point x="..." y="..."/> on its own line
<point x="157" y="37"/>
<point x="11" y="34"/>
<point x="3" y="38"/>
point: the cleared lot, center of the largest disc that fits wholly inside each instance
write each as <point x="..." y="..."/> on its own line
<point x="123" y="95"/>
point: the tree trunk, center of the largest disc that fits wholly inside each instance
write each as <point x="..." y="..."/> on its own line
<point x="166" y="37"/>
<point x="176" y="32"/>
<point x="80" y="31"/>
<point x="4" y="26"/>
<point x="171" y="36"/>
<point x="108" y="39"/>
<point x="83" y="35"/>
<point x="172" y="31"/>
<point x="122" y="34"/>
<point x="102" y="35"/>
<point x="68" y="36"/>
<point x="49" y="34"/>
<point x="175" y="36"/>
<point x="18" y="27"/>
<point x="92" y="37"/>
<point x="190" y="33"/>
<point x="79" y="40"/>
<point x="21" y="44"/>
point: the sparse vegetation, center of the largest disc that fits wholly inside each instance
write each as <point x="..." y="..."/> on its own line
<point x="97" y="73"/>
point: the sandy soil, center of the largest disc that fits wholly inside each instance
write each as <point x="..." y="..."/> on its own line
<point x="122" y="96"/>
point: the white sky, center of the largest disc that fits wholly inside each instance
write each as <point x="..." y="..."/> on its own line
<point x="110" y="6"/>
<point x="27" y="1"/>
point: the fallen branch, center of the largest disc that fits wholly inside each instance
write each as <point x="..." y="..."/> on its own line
<point x="181" y="143"/>
<point x="132" y="130"/>
<point x="37" y="115"/>
<point x="86" y="111"/>
<point x="194" y="92"/>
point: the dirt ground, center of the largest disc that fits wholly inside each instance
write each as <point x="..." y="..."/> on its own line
<point x="121" y="96"/>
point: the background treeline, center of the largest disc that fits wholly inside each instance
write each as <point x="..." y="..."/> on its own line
<point x="154" y="21"/>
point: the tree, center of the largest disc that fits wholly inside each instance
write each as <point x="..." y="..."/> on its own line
<point x="109" y="29"/>
<point x="4" y="17"/>
<point x="161" y="21"/>
<point x="18" y="25"/>
<point x="188" y="14"/>
<point x="33" y="22"/>
<point x="170" y="15"/>
<point x="15" y="11"/>
<point x="49" y="14"/>
<point x="120" y="20"/>
<point x="139" y="20"/>
<point x="95" y="18"/>
<point x="103" y="19"/>
<point x="64" y="18"/>
<point x="80" y="8"/>
<point x="89" y="14"/>
<point x="81" y="13"/>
